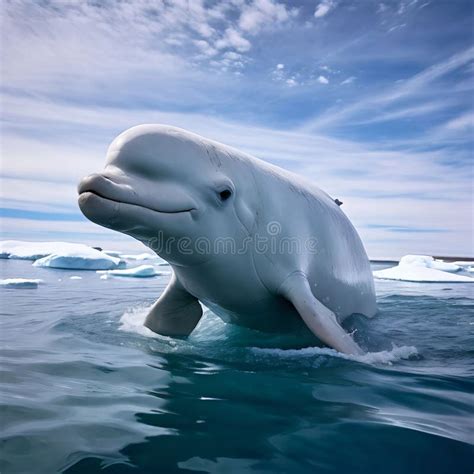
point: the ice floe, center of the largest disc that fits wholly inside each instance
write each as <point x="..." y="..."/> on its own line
<point x="80" y="258"/>
<point x="66" y="255"/>
<point x="20" y="283"/>
<point x="464" y="264"/>
<point x="429" y="262"/>
<point x="422" y="268"/>
<point x="17" y="249"/>
<point x="142" y="271"/>
<point x="140" y="256"/>
<point x="112" y="253"/>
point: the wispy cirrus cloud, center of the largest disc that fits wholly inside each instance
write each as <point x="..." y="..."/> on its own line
<point x="397" y="92"/>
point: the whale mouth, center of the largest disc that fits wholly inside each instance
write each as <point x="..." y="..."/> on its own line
<point x="85" y="193"/>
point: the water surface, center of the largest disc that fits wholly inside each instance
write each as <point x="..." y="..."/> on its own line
<point x="85" y="388"/>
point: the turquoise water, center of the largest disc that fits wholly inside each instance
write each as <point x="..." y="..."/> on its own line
<point x="85" y="388"/>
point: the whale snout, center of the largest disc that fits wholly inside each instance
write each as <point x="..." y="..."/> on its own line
<point x="92" y="183"/>
<point x="99" y="199"/>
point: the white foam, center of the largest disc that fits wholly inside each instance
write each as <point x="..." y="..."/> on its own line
<point x="382" y="357"/>
<point x="20" y="283"/>
<point x="133" y="321"/>
<point x="75" y="277"/>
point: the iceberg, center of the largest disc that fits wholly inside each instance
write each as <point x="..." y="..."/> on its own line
<point x="66" y="255"/>
<point x="142" y="271"/>
<point x="422" y="268"/>
<point x="429" y="262"/>
<point x="34" y="250"/>
<point x="20" y="283"/>
<point x="81" y="257"/>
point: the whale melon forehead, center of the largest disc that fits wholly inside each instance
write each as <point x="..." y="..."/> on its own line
<point x="152" y="133"/>
<point x="144" y="145"/>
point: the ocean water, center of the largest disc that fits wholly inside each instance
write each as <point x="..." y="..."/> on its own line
<point x="86" y="388"/>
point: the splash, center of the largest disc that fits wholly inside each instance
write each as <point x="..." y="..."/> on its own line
<point x="382" y="357"/>
<point x="213" y="332"/>
<point x="133" y="321"/>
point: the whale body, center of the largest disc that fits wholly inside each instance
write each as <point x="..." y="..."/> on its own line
<point x="261" y="246"/>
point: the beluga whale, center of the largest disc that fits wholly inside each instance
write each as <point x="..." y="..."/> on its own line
<point x="260" y="246"/>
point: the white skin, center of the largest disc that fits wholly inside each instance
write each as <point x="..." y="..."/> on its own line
<point x="173" y="190"/>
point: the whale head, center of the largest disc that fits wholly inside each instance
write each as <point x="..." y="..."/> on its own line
<point x="172" y="190"/>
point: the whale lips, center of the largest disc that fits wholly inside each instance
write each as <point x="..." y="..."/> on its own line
<point x="103" y="187"/>
<point x="96" y="191"/>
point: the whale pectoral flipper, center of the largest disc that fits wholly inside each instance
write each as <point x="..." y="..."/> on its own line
<point x="176" y="313"/>
<point x="320" y="320"/>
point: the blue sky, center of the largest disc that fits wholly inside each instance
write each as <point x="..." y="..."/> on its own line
<point x="372" y="100"/>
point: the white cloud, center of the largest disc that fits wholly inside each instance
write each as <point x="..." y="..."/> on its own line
<point x="261" y="13"/>
<point x="323" y="8"/>
<point x="462" y="123"/>
<point x="291" y="82"/>
<point x="396" y="27"/>
<point x="205" y="48"/>
<point x="407" y="112"/>
<point x="280" y="66"/>
<point x="323" y="80"/>
<point x="233" y="39"/>
<point x="349" y="80"/>
<point x="143" y="36"/>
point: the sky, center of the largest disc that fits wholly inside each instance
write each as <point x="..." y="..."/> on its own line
<point x="371" y="100"/>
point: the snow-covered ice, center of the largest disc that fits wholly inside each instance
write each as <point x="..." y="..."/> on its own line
<point x="20" y="283"/>
<point x="464" y="264"/>
<point x="422" y="268"/>
<point x="142" y="271"/>
<point x="429" y="262"/>
<point x="112" y="253"/>
<point x="65" y="255"/>
<point x="18" y="249"/>
<point x="79" y="258"/>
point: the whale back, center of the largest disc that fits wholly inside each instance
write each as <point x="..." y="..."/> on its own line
<point x="305" y="230"/>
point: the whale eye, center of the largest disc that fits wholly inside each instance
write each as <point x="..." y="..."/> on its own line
<point x="225" y="194"/>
